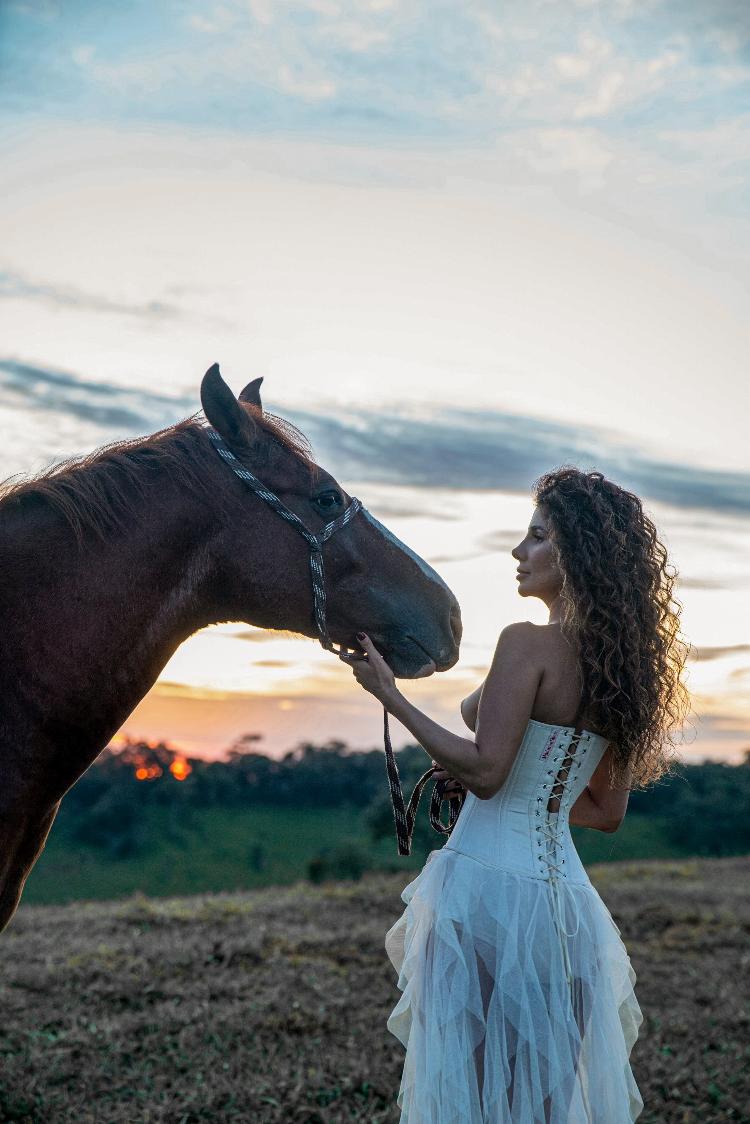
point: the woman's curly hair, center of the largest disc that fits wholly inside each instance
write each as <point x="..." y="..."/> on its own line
<point x="620" y="616"/>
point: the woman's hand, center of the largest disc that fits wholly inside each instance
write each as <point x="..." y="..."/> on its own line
<point x="370" y="670"/>
<point x="453" y="786"/>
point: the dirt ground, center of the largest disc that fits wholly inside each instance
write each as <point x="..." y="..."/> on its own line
<point x="269" y="1006"/>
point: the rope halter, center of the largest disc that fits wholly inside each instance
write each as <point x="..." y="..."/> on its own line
<point x="404" y="817"/>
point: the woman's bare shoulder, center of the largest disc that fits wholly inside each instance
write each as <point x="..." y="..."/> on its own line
<point x="522" y="634"/>
<point x="544" y="644"/>
<point x="550" y="637"/>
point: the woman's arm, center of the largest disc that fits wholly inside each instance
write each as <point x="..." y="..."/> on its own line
<point x="502" y="716"/>
<point x="459" y="756"/>
<point x="600" y="806"/>
<point x="470" y="707"/>
<point x="481" y="764"/>
<point x="585" y="812"/>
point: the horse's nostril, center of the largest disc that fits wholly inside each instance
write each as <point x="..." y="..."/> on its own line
<point x="456" y="625"/>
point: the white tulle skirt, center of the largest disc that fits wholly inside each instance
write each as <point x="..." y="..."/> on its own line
<point x="493" y="1030"/>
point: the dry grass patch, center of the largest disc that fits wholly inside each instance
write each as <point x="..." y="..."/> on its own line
<point x="270" y="1005"/>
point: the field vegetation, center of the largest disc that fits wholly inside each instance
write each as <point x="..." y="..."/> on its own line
<point x="269" y="1005"/>
<point x="148" y="819"/>
<point x="205" y="942"/>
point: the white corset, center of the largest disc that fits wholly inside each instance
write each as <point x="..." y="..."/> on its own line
<point x="513" y="829"/>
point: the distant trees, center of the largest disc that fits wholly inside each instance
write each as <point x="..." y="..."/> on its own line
<point x="104" y="809"/>
<point x="113" y="823"/>
<point x="412" y="763"/>
<point x="703" y="807"/>
<point x="344" y="861"/>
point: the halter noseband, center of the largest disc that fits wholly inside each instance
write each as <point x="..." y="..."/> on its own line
<point x="404" y="816"/>
<point x="315" y="542"/>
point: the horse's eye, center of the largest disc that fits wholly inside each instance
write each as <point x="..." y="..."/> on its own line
<point x="328" y="501"/>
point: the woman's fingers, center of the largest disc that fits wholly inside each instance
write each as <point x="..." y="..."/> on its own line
<point x="442" y="774"/>
<point x="452" y="786"/>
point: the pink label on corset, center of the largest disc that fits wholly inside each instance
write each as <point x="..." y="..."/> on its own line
<point x="548" y="746"/>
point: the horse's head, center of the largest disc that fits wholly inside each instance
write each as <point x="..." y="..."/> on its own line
<point x="374" y="582"/>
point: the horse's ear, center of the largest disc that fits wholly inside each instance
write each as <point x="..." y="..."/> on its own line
<point x="251" y="393"/>
<point x="224" y="411"/>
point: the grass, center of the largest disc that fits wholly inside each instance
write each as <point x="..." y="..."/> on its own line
<point x="269" y="1005"/>
<point x="224" y="850"/>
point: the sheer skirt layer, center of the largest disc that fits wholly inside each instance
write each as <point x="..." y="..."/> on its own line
<point x="493" y="1030"/>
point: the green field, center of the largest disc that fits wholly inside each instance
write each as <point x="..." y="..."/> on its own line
<point x="218" y="849"/>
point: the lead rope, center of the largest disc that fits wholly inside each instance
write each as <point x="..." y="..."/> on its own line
<point x="404" y="817"/>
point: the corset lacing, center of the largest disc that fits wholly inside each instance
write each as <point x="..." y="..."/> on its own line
<point x="551" y="828"/>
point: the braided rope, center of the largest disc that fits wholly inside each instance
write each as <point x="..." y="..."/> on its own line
<point x="404" y="817"/>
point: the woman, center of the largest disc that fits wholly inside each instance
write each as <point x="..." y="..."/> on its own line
<point x="517" y="996"/>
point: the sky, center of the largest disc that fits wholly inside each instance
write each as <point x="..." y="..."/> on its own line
<point x="463" y="244"/>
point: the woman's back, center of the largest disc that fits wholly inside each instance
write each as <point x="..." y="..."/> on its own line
<point x="558" y="696"/>
<point x="515" y="829"/>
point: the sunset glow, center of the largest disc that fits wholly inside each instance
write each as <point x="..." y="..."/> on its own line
<point x="180" y="769"/>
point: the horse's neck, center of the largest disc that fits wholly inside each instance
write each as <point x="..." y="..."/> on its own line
<point x="87" y="631"/>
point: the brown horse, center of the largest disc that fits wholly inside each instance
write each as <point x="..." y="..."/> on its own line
<point x="110" y="561"/>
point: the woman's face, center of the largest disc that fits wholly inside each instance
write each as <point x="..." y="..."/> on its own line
<point x="538" y="574"/>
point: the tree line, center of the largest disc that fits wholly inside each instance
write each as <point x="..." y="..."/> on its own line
<point x="702" y="807"/>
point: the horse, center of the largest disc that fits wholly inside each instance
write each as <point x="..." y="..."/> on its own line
<point x="111" y="560"/>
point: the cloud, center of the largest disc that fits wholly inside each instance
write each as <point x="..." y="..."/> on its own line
<point x="424" y="448"/>
<point x="441" y="559"/>
<point x="599" y="77"/>
<point x="14" y="286"/>
<point x="106" y="405"/>
<point x="719" y="736"/>
<point x="583" y="151"/>
<point x="419" y="505"/>
<point x="448" y="64"/>
<point x="492" y="450"/>
<point x="502" y="541"/>
<point x="627" y="98"/>
<point x="717" y="652"/>
<point x="710" y="583"/>
<point x="262" y="636"/>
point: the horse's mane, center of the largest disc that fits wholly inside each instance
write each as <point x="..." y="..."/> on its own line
<point x="101" y="489"/>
